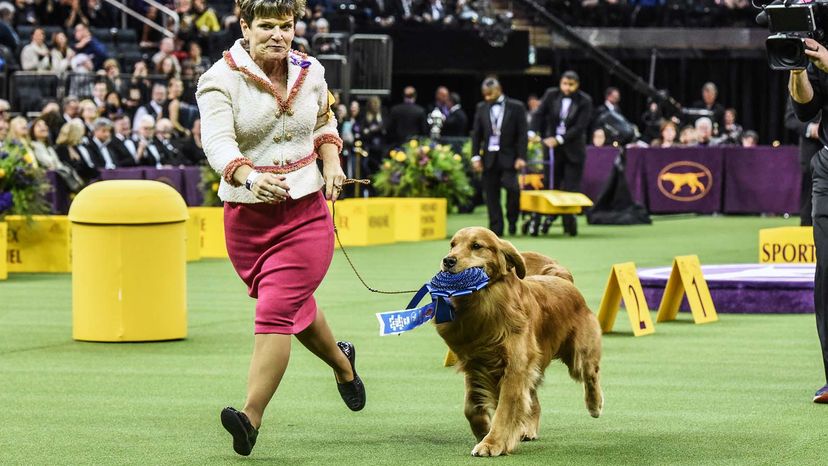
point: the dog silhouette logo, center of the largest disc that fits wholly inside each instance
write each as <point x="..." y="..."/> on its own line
<point x="685" y="181"/>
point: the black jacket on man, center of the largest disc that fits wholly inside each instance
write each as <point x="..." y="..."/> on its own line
<point x="121" y="155"/>
<point x="405" y="121"/>
<point x="456" y="123"/>
<point x="808" y="147"/>
<point x="546" y="120"/>
<point x="513" y="135"/>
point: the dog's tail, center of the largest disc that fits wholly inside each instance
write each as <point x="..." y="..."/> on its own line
<point x="538" y="264"/>
<point x="557" y="270"/>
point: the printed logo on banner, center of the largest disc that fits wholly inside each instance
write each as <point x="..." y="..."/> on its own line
<point x="685" y="181"/>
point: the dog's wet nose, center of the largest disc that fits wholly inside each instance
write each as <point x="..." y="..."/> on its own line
<point x="449" y="262"/>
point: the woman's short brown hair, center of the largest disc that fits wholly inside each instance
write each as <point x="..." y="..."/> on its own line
<point x="252" y="9"/>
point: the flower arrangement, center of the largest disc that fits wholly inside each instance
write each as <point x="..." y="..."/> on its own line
<point x="422" y="168"/>
<point x="209" y="186"/>
<point x="535" y="154"/>
<point x="23" y="185"/>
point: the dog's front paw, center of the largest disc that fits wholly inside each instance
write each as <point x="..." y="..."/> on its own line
<point x="529" y="436"/>
<point x="488" y="447"/>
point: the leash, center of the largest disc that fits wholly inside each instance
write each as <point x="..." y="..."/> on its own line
<point x="344" y="252"/>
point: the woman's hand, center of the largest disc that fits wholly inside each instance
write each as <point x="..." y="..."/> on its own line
<point x="334" y="177"/>
<point x="270" y="188"/>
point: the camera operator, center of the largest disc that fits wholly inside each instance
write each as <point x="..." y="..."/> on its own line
<point x="809" y="95"/>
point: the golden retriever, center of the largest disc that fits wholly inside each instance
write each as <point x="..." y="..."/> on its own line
<point x="506" y="334"/>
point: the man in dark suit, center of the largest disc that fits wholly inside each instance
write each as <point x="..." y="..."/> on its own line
<point x="407" y="119"/>
<point x="499" y="139"/>
<point x="709" y="95"/>
<point x="562" y="120"/>
<point x="122" y="146"/>
<point x="98" y="145"/>
<point x="809" y="145"/>
<point x="457" y="123"/>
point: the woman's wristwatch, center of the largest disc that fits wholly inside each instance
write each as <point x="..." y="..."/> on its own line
<point x="251" y="178"/>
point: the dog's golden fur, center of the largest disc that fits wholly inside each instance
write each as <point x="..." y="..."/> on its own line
<point x="506" y="334"/>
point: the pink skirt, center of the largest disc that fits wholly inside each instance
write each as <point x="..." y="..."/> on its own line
<point x="281" y="252"/>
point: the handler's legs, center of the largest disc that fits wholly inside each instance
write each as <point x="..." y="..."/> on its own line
<point x="320" y="341"/>
<point x="271" y="352"/>
<point x="820" y="201"/>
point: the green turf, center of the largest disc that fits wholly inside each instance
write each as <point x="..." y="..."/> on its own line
<point x="736" y="391"/>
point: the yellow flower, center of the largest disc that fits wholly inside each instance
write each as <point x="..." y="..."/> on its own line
<point x="457" y="157"/>
<point x="426" y="149"/>
<point x="414" y="144"/>
<point x="400" y="157"/>
<point x="386" y="165"/>
<point x="358" y="144"/>
<point x="28" y="158"/>
<point x="215" y="187"/>
<point x="2" y="173"/>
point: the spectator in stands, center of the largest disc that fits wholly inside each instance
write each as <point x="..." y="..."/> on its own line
<point x="132" y="102"/>
<point x="177" y="110"/>
<point x="731" y="132"/>
<point x="406" y="119"/>
<point x="435" y="11"/>
<point x="114" y="81"/>
<point x="170" y="154"/>
<point x="97" y="147"/>
<point x="349" y="124"/>
<point x="167" y="70"/>
<point x="688" y="136"/>
<point x="652" y="122"/>
<point x="667" y="136"/>
<point x="71" y="108"/>
<point x="166" y="49"/>
<point x="191" y="148"/>
<point x="8" y="36"/>
<point x="19" y="135"/>
<point x="140" y="79"/>
<point x="150" y="37"/>
<point x="89" y="114"/>
<point x="36" y="55"/>
<point x="709" y="94"/>
<point x="599" y="137"/>
<point x="406" y="10"/>
<point x="99" y="95"/>
<point x="155" y="108"/>
<point x="612" y="97"/>
<point x="750" y="139"/>
<point x="5" y="111"/>
<point x="122" y="141"/>
<point x="99" y="14"/>
<point x="325" y="45"/>
<point x="70" y="150"/>
<point x="372" y="132"/>
<point x="87" y="44"/>
<point x="61" y="53"/>
<point x="24" y="13"/>
<point x="704" y="132"/>
<point x="206" y="21"/>
<point x="52" y="116"/>
<point x="300" y="42"/>
<point x="81" y="79"/>
<point x="457" y="122"/>
<point x="113" y="108"/>
<point x="195" y="59"/>
<point x="48" y="158"/>
<point x="231" y="22"/>
<point x="73" y="14"/>
<point x="146" y="153"/>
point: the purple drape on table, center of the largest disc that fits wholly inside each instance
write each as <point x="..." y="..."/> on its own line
<point x="172" y="176"/>
<point x="59" y="195"/>
<point x="192" y="192"/>
<point x="129" y="173"/>
<point x="684" y="179"/>
<point x="762" y="180"/>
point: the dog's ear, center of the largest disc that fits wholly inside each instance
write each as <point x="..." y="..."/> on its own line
<point x="513" y="258"/>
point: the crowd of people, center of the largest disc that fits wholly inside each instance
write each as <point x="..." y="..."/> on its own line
<point x="655" y="13"/>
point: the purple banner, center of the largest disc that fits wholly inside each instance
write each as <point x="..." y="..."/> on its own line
<point x="762" y="180"/>
<point x="132" y="173"/>
<point x="172" y="176"/>
<point x="192" y="191"/>
<point x="684" y="180"/>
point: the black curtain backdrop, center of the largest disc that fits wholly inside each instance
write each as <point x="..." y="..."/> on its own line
<point x="745" y="83"/>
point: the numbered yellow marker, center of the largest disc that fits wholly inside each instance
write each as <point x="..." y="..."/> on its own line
<point x="451" y="359"/>
<point x="624" y="284"/>
<point x="687" y="279"/>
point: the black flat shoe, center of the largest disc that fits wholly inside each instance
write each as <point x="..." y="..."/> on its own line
<point x="353" y="392"/>
<point x="239" y="426"/>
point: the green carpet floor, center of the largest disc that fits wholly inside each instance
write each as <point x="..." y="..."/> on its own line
<point x="732" y="392"/>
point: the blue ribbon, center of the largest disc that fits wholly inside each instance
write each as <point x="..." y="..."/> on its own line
<point x="441" y="287"/>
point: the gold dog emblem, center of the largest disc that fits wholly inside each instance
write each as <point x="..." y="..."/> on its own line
<point x="688" y="181"/>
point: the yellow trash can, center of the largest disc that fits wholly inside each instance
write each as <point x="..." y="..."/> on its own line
<point x="128" y="262"/>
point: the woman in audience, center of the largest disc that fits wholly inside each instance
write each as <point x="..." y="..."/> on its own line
<point x="61" y="53"/>
<point x="89" y="113"/>
<point x="732" y="132"/>
<point x="140" y="80"/>
<point x="195" y="59"/>
<point x="192" y="150"/>
<point x="667" y="135"/>
<point x="174" y="106"/>
<point x="48" y="158"/>
<point x="689" y="136"/>
<point x="19" y="136"/>
<point x="113" y="105"/>
<point x="206" y="20"/>
<point x="68" y="149"/>
<point x="167" y="70"/>
<point x="114" y="81"/>
<point x="599" y="137"/>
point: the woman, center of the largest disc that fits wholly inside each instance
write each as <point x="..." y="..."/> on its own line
<point x="166" y="70"/>
<point x="89" y="113"/>
<point x="174" y="106"/>
<point x="19" y="136"/>
<point x="206" y="21"/>
<point x="68" y="147"/>
<point x="61" y="53"/>
<point x="113" y="105"/>
<point x="48" y="158"/>
<point x="196" y="59"/>
<point x="668" y="133"/>
<point x="265" y="118"/>
<point x="114" y="81"/>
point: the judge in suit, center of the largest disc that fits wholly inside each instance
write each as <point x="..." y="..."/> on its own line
<point x="499" y="139"/>
<point x="809" y="145"/>
<point x="562" y="121"/>
<point x="407" y="119"/>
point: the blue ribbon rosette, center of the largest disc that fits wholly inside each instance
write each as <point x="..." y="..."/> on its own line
<point x="444" y="285"/>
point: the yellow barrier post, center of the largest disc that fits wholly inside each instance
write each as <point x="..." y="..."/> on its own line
<point x="623" y="284"/>
<point x="365" y="222"/>
<point x="212" y="231"/>
<point x="40" y="243"/>
<point x="419" y="219"/>
<point x="194" y="237"/>
<point x="3" y="267"/>
<point x="450" y="359"/>
<point x="129" y="277"/>
<point x="686" y="278"/>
